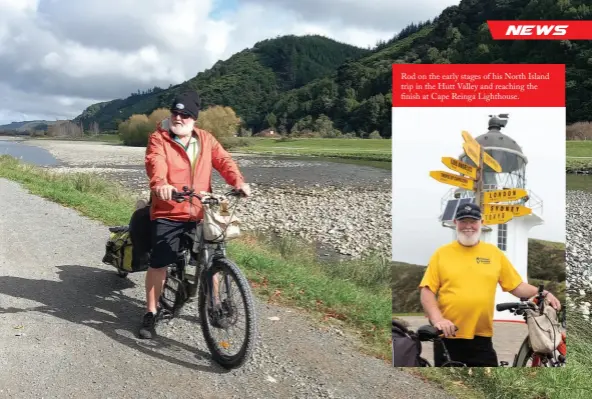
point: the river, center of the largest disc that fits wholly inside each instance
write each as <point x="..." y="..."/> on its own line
<point x="343" y="208"/>
<point x="27" y="153"/>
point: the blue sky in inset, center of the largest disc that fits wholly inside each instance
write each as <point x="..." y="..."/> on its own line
<point x="222" y="8"/>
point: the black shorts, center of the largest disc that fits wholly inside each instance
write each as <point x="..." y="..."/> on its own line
<point x="476" y="352"/>
<point x="168" y="239"/>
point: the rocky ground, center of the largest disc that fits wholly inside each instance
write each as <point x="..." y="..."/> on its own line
<point x="579" y="250"/>
<point x="344" y="209"/>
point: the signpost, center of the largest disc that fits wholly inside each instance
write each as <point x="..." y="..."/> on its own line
<point x="516" y="210"/>
<point x="471" y="178"/>
<point x="452" y="179"/>
<point x="497" y="218"/>
<point x="460" y="167"/>
<point x="512" y="194"/>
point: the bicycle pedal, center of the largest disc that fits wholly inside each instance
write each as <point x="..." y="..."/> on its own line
<point x="504" y="364"/>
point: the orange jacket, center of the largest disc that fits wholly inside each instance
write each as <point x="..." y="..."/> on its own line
<point x="167" y="163"/>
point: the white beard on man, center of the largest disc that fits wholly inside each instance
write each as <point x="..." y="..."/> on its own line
<point x="180" y="128"/>
<point x="468" y="236"/>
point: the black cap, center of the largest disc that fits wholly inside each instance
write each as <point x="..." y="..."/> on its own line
<point x="469" y="210"/>
<point x="187" y="103"/>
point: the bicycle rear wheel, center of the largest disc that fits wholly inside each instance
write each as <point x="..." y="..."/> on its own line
<point x="218" y="315"/>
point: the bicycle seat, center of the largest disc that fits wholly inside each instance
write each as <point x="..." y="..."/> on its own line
<point x="398" y="325"/>
<point x="118" y="229"/>
<point x="428" y="333"/>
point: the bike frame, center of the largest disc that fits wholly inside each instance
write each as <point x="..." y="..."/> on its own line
<point x="207" y="252"/>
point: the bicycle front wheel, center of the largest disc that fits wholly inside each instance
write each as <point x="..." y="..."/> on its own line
<point x="527" y="358"/>
<point x="224" y="309"/>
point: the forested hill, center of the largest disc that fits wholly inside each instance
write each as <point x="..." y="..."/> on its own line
<point x="249" y="81"/>
<point x="265" y="85"/>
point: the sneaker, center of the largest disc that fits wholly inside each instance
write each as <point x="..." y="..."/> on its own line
<point x="147" y="330"/>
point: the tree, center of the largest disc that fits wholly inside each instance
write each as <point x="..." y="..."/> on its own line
<point x="135" y="130"/>
<point x="158" y="115"/>
<point x="271" y="120"/>
<point x="220" y="121"/>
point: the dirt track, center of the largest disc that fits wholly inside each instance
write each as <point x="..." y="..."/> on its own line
<point x="68" y="326"/>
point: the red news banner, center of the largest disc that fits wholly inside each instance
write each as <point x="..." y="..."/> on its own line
<point x="478" y="85"/>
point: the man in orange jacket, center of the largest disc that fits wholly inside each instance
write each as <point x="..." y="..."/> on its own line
<point x="179" y="154"/>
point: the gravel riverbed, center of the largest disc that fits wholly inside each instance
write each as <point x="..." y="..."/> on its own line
<point x="579" y="251"/>
<point x="344" y="209"/>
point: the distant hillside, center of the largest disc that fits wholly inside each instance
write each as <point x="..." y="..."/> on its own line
<point x="294" y="80"/>
<point x="25" y="126"/>
<point x="249" y="81"/>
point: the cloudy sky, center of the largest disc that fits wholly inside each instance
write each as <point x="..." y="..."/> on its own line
<point x="59" y="56"/>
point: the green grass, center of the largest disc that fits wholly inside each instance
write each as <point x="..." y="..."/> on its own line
<point x="366" y="149"/>
<point x="581" y="149"/>
<point x="355" y="295"/>
<point x="106" y="138"/>
<point x="571" y="382"/>
<point x="578" y="148"/>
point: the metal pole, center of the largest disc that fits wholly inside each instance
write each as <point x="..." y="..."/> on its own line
<point x="479" y="193"/>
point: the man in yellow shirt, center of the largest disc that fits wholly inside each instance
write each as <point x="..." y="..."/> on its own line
<point x="465" y="274"/>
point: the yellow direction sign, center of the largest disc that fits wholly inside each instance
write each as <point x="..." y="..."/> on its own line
<point x="515" y="210"/>
<point x="491" y="162"/>
<point x="513" y="194"/>
<point x="497" y="218"/>
<point x="473" y="149"/>
<point x="453" y="180"/>
<point x="460" y="167"/>
<point x="468" y="138"/>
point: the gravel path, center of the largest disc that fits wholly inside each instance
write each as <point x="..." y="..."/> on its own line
<point x="291" y="193"/>
<point x="68" y="327"/>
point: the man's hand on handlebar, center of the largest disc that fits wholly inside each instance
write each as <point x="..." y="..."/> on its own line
<point x="165" y="192"/>
<point x="554" y="302"/>
<point x="446" y="326"/>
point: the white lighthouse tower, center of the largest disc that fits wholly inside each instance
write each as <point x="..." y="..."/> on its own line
<point x="510" y="237"/>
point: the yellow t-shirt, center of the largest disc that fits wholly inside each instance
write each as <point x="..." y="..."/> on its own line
<point x="465" y="280"/>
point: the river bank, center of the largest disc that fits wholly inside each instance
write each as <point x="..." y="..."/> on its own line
<point x="342" y="209"/>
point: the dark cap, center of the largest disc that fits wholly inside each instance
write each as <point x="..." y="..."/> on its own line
<point x="469" y="210"/>
<point x="187" y="103"/>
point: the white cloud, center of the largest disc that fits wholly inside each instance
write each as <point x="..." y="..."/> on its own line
<point x="85" y="51"/>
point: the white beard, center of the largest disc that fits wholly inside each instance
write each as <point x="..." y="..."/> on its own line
<point x="468" y="240"/>
<point x="182" y="130"/>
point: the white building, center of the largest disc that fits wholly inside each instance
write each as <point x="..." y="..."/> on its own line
<point x="511" y="237"/>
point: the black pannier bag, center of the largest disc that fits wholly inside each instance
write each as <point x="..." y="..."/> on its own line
<point x="406" y="347"/>
<point x="128" y="247"/>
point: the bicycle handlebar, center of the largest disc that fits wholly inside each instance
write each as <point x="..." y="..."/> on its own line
<point x="188" y="193"/>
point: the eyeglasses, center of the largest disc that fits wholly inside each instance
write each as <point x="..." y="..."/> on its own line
<point x="180" y="115"/>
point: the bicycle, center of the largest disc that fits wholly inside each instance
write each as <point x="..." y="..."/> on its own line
<point x="526" y="353"/>
<point x="427" y="333"/>
<point x="209" y="258"/>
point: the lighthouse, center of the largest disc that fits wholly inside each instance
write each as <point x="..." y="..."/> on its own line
<point x="510" y="237"/>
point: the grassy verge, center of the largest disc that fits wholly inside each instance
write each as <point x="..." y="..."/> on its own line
<point x="104" y="138"/>
<point x="361" y="149"/>
<point x="355" y="295"/>
<point x="523" y="383"/>
<point x="578" y="148"/>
